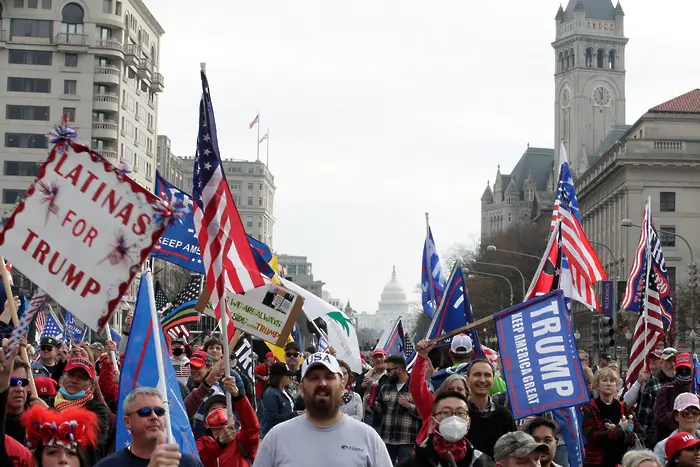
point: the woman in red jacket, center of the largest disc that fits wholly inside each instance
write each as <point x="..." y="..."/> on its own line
<point x="225" y="443"/>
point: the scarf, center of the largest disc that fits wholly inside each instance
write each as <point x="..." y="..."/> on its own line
<point x="61" y="403"/>
<point x="442" y="447"/>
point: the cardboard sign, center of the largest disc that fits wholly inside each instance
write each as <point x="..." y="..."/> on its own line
<point x="82" y="232"/>
<point x="268" y="312"/>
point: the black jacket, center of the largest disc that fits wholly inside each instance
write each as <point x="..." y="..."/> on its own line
<point x="425" y="455"/>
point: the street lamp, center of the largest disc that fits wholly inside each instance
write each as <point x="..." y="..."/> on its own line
<point x="522" y="278"/>
<point x="493" y="248"/>
<point x="577" y="334"/>
<point x="474" y="273"/>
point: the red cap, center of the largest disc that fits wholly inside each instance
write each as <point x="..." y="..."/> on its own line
<point x="684" y="360"/>
<point x="45" y="387"/>
<point x="82" y="364"/>
<point x="199" y="359"/>
<point x="378" y="352"/>
<point x="678" y="442"/>
<point x="269" y="354"/>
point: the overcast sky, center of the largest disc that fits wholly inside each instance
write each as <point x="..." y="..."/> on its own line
<point x="381" y="111"/>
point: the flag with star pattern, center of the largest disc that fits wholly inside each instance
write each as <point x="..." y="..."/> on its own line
<point x="182" y="313"/>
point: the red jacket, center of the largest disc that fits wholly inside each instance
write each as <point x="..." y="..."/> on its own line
<point x="213" y="454"/>
<point x="263" y="369"/>
<point x="606" y="447"/>
<point x="109" y="389"/>
<point x="423" y="399"/>
<point x="19" y="454"/>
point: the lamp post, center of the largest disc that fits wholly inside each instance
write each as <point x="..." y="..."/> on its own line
<point x="693" y="268"/>
<point x="522" y="278"/>
<point x="493" y="248"/>
<point x="692" y="336"/>
<point x="473" y="274"/>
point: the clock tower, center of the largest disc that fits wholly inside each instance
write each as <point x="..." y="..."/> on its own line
<point x="589" y="81"/>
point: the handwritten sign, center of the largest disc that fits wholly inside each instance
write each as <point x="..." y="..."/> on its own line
<point x="268" y="312"/>
<point x="82" y="232"/>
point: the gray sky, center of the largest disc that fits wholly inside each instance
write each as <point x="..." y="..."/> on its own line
<point x="381" y="111"/>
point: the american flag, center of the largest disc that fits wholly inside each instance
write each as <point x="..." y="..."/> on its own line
<point x="255" y="120"/>
<point x="263" y="138"/>
<point x="162" y="302"/>
<point x="228" y="260"/>
<point x="585" y="267"/>
<point x="409" y="351"/>
<point x="244" y="355"/>
<point x="40" y="321"/>
<point x="176" y="322"/>
<point x="52" y="328"/>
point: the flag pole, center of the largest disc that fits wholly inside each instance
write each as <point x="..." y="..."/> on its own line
<point x="646" y="280"/>
<point x="156" y="330"/>
<point x="226" y="351"/>
<point x="267" y="149"/>
<point x="258" y="149"/>
<point x="428" y="264"/>
<point x="112" y="354"/>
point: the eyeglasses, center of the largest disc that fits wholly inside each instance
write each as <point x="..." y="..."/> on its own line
<point x="46" y="348"/>
<point x="291" y="354"/>
<point x="21" y="382"/>
<point x="461" y="413"/>
<point x="389" y="370"/>
<point x="147" y="411"/>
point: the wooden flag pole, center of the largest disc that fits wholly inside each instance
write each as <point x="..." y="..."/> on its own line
<point x="15" y="321"/>
<point x="461" y="330"/>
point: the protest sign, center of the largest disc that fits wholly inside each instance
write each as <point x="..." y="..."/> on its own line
<point x="268" y="312"/>
<point x="82" y="231"/>
<point x="539" y="356"/>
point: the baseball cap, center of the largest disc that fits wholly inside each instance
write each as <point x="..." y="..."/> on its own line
<point x="656" y="353"/>
<point x="517" y="444"/>
<point x="320" y="359"/>
<point x="684" y="360"/>
<point x="81" y="364"/>
<point x="178" y="340"/>
<point x="280" y="369"/>
<point x="605" y="357"/>
<point x="269" y="354"/>
<point x="211" y="400"/>
<point x="678" y="442"/>
<point x="200" y="359"/>
<point x="685" y="400"/>
<point x="378" y="352"/>
<point x="461" y="345"/>
<point x="45" y="387"/>
<point x="668" y="352"/>
<point x="53" y="342"/>
<point x="292" y="346"/>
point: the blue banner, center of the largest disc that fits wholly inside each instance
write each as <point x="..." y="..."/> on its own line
<point x="139" y="370"/>
<point x="178" y="244"/>
<point x="570" y="421"/>
<point x="73" y="332"/>
<point x="540" y="360"/>
<point x="607" y="298"/>
<point x="395" y="342"/>
<point x="696" y="375"/>
<point x="432" y="277"/>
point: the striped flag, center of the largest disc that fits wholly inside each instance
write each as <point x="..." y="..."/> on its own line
<point x="254" y="122"/>
<point x="244" y="355"/>
<point x="182" y="312"/>
<point x="52" y="328"/>
<point x="162" y="302"/>
<point x="263" y="138"/>
<point x="585" y="267"/>
<point x="226" y="252"/>
<point x="40" y="321"/>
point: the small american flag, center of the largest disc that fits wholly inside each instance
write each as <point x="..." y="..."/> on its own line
<point x="254" y="122"/>
<point x="162" y="302"/>
<point x="40" y="321"/>
<point x="228" y="260"/>
<point x="263" y="138"/>
<point x="52" y="328"/>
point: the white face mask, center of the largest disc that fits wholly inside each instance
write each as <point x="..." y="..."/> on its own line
<point x="453" y="428"/>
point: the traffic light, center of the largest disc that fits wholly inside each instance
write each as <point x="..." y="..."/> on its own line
<point x="607" y="333"/>
<point x="692" y="274"/>
<point x="595" y="332"/>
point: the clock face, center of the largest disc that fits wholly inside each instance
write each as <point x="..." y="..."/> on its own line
<point x="601" y="96"/>
<point x="565" y="98"/>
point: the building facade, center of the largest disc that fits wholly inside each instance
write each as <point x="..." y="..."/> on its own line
<point x="299" y="270"/>
<point x="94" y="61"/>
<point x="253" y="189"/>
<point x="168" y="164"/>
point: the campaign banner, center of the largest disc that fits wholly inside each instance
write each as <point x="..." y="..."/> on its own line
<point x="82" y="231"/>
<point x="539" y="356"/>
<point x="607" y="298"/>
<point x="179" y="244"/>
<point x="268" y="312"/>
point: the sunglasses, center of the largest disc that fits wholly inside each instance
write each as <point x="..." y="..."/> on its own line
<point x="147" y="411"/>
<point x="690" y="413"/>
<point x="46" y="348"/>
<point x="291" y="354"/>
<point x="21" y="382"/>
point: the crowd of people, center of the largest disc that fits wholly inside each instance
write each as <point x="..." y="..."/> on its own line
<point x="312" y="409"/>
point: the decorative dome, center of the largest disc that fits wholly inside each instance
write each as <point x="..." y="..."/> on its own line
<point x="394" y="300"/>
<point x="393" y="287"/>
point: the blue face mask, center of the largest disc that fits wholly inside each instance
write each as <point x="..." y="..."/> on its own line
<point x="71" y="397"/>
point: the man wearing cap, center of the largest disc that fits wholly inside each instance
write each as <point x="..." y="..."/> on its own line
<point x="180" y="362"/>
<point x="373" y="379"/>
<point x="686" y="411"/>
<point x="47" y="364"/>
<point x="665" y="375"/>
<point x="461" y="349"/>
<point x="663" y="406"/>
<point x="518" y="449"/>
<point x="277" y="401"/>
<point x="653" y="363"/>
<point x="204" y="375"/>
<point x="323" y="435"/>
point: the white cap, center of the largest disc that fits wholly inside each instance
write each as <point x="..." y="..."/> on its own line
<point x="318" y="359"/>
<point x="461" y="345"/>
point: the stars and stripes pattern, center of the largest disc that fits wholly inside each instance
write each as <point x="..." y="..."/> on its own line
<point x="263" y="138"/>
<point x="228" y="260"/>
<point x="52" y="328"/>
<point x="182" y="311"/>
<point x="244" y="355"/>
<point x="254" y="122"/>
<point x="323" y="343"/>
<point x="585" y="267"/>
<point x="40" y="321"/>
<point x="409" y="350"/>
<point x="162" y="302"/>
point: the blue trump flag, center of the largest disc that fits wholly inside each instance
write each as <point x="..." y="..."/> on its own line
<point x="74" y="333"/>
<point x="139" y="370"/>
<point x="696" y="375"/>
<point x="455" y="311"/>
<point x="395" y="341"/>
<point x="432" y="278"/>
<point x="540" y="360"/>
<point x="570" y="421"/>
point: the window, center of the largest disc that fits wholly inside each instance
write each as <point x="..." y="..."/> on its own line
<point x="70" y="86"/>
<point x="45" y="4"/>
<point x="143" y="114"/>
<point x="250" y="186"/>
<point x="250" y="170"/>
<point x="72" y="19"/>
<point x="100" y="89"/>
<point x="667" y="202"/>
<point x="99" y="116"/>
<point x="510" y="218"/>
<point x="118" y="11"/>
<point x="611" y="59"/>
<point x="129" y="127"/>
<point x="30" y="57"/>
<point x="259" y="201"/>
<point x="234" y="169"/>
<point x="600" y="59"/>
<point x="28" y="112"/>
<point x="33" y="4"/>
<point x="15" y="84"/>
<point x="143" y="139"/>
<point x="106" y="6"/>
<point x="260" y="186"/>
<point x="250" y="200"/>
<point x="672" y="278"/>
<point x="12" y="196"/>
<point x="21" y="168"/>
<point x="26" y="140"/>
<point x="70" y="113"/>
<point x="19" y="3"/>
<point x="235" y="185"/>
<point x="31" y="28"/>
<point x="103" y="33"/>
<point x="249" y="221"/>
<point x="668" y="236"/>
<point x="589" y="57"/>
<point x="71" y="60"/>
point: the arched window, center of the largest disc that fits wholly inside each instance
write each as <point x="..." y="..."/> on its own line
<point x="612" y="59"/>
<point x="138" y="36"/>
<point x="566" y="59"/>
<point x="561" y="61"/>
<point x="72" y="19"/>
<point x="589" y="57"/>
<point x="153" y="53"/>
<point x="601" y="58"/>
<point x="571" y="57"/>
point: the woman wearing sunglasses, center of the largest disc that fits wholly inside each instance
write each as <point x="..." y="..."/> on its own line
<point x="686" y="412"/>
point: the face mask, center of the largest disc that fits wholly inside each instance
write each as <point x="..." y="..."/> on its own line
<point x="217" y="418"/>
<point x="453" y="428"/>
<point x="71" y="397"/>
<point x="178" y="351"/>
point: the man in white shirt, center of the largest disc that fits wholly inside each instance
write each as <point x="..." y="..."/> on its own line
<point x="324" y="433"/>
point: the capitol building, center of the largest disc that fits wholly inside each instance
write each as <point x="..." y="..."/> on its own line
<point x="393" y="304"/>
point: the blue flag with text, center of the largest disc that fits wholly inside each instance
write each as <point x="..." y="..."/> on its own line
<point x="540" y="360"/>
<point x="432" y="277"/>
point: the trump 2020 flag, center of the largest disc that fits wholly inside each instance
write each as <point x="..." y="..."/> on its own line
<point x="540" y="360"/>
<point x="395" y="342"/>
<point x="139" y="370"/>
<point x="432" y="277"/>
<point x="570" y="421"/>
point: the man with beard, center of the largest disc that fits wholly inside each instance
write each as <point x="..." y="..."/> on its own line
<point x="665" y="375"/>
<point x="663" y="405"/>
<point x="292" y="356"/>
<point x="324" y="434"/>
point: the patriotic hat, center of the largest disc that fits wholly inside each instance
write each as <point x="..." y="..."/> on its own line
<point x="378" y="352"/>
<point x="679" y="442"/>
<point x="684" y="360"/>
<point x="320" y="359"/>
<point x="45" y="387"/>
<point x="200" y="359"/>
<point x="81" y="364"/>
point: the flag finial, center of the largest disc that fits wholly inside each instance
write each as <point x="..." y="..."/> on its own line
<point x="203" y="66"/>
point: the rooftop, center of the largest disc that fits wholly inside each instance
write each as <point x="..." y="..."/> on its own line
<point x="598" y="9"/>
<point x="688" y="103"/>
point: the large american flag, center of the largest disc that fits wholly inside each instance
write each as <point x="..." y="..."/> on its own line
<point x="585" y="267"/>
<point x="228" y="260"/>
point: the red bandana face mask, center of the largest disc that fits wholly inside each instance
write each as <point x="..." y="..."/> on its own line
<point x="217" y="418"/>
